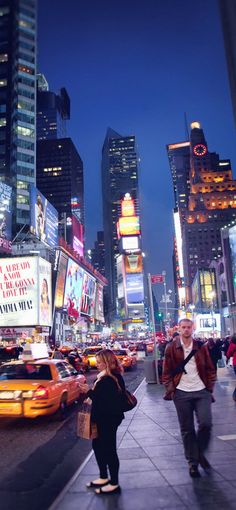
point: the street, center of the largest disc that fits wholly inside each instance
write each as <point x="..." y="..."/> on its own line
<point x="38" y="457"/>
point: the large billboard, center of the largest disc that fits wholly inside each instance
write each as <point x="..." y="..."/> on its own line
<point x="88" y="295"/>
<point x="25" y="292"/>
<point x="134" y="288"/>
<point x="128" y="226"/>
<point x="130" y="243"/>
<point x="99" y="312"/>
<point x="133" y="263"/>
<point x="45" y="293"/>
<point x="5" y="217"/>
<point x="73" y="288"/>
<point x="61" y="279"/>
<point x="43" y="218"/>
<point x="77" y="236"/>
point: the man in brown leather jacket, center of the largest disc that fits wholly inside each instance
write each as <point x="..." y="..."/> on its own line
<point x="190" y="386"/>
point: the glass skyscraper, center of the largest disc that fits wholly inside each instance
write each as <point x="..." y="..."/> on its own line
<point x="18" y="26"/>
<point x="53" y="110"/>
<point x="119" y="176"/>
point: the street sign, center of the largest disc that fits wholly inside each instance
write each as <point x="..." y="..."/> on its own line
<point x="157" y="278"/>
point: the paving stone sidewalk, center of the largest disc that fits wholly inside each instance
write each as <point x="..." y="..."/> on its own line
<point x="153" y="471"/>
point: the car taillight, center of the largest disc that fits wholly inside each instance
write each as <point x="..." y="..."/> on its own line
<point x="41" y="392"/>
<point x="125" y="358"/>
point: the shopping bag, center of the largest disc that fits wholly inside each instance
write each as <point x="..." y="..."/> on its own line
<point x="85" y="428"/>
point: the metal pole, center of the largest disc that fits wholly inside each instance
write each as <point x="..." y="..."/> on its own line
<point x="165" y="296"/>
<point x="153" y="325"/>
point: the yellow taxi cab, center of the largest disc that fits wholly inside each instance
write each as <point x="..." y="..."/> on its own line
<point x="40" y="387"/>
<point x="127" y="359"/>
<point x="89" y="355"/>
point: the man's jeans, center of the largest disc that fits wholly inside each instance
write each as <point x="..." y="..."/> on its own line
<point x="186" y="403"/>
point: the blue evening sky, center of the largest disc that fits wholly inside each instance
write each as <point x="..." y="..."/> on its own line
<point x="137" y="66"/>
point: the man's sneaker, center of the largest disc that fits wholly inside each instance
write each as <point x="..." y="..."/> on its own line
<point x="193" y="471"/>
<point x="204" y="462"/>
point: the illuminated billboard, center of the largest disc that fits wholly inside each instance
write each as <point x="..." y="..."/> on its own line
<point x="130" y="243"/>
<point x="25" y="292"/>
<point x="127" y="206"/>
<point x="45" y="293"/>
<point x="43" y="218"/>
<point x="88" y="295"/>
<point x="73" y="288"/>
<point x="134" y="288"/>
<point x="77" y="236"/>
<point x="133" y="263"/>
<point x="99" y="313"/>
<point x="128" y="226"/>
<point x="120" y="277"/>
<point x="61" y="279"/>
<point x="5" y="217"/>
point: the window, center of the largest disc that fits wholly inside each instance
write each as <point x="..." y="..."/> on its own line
<point x="62" y="369"/>
<point x="3" y="83"/>
<point x="3" y="122"/>
<point x="3" y="57"/>
<point x="25" y="69"/>
<point x="4" y="11"/>
<point x="23" y="131"/>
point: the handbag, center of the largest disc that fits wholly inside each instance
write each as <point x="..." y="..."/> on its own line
<point x="129" y="401"/>
<point x="86" y="429"/>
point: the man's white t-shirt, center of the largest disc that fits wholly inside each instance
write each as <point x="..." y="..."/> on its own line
<point x="191" y="380"/>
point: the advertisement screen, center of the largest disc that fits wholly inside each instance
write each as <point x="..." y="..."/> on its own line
<point x="43" y="218"/>
<point x="99" y="313"/>
<point x="130" y="243"/>
<point x="134" y="288"/>
<point x="5" y="217"/>
<point x="133" y="263"/>
<point x="129" y="226"/>
<point x="120" y="277"/>
<point x="88" y="295"/>
<point x="73" y="288"/>
<point x="45" y="293"/>
<point x="61" y="279"/>
<point x="77" y="236"/>
<point x="127" y="206"/>
<point x="25" y="295"/>
<point x="232" y="242"/>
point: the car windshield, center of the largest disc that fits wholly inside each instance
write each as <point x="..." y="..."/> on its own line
<point x="92" y="351"/>
<point x="120" y="352"/>
<point x="25" y="371"/>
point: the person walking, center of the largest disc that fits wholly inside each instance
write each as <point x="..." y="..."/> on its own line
<point x="189" y="376"/>
<point x="107" y="414"/>
<point x="231" y="352"/>
<point x="214" y="348"/>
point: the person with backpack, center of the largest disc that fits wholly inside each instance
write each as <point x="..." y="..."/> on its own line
<point x="107" y="414"/>
<point x="189" y="377"/>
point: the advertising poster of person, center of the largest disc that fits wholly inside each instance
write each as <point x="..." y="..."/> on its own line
<point x="99" y="315"/>
<point x="45" y="293"/>
<point x="134" y="288"/>
<point x="61" y="279"/>
<point x="73" y="288"/>
<point x="19" y="291"/>
<point x="133" y="263"/>
<point x="88" y="295"/>
<point x="43" y="217"/>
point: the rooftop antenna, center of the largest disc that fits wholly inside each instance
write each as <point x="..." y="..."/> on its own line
<point x="186" y="126"/>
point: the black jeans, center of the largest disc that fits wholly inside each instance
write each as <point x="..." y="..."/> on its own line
<point x="188" y="403"/>
<point x="104" y="447"/>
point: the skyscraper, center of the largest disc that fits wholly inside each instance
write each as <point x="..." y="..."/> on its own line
<point x="119" y="176"/>
<point x="211" y="203"/>
<point x="17" y="102"/>
<point x="60" y="176"/>
<point x="98" y="253"/>
<point x="228" y="19"/>
<point x="53" y="110"/>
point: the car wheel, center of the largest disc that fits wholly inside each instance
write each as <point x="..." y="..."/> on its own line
<point x="60" y="414"/>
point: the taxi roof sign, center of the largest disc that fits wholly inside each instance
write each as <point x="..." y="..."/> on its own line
<point x="34" y="351"/>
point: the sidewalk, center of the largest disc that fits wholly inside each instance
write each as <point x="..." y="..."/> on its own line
<point x="153" y="471"/>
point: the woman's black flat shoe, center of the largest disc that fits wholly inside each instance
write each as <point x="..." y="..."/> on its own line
<point x="93" y="485"/>
<point x="117" y="490"/>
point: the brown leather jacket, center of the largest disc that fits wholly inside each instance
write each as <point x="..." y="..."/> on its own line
<point x="174" y="356"/>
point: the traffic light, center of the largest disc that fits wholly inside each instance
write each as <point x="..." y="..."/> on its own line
<point x="159" y="315"/>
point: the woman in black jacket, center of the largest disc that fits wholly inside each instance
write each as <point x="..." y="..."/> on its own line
<point x="107" y="413"/>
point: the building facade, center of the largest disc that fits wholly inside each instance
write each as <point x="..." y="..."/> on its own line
<point x="53" y="110"/>
<point x="211" y="204"/>
<point x="119" y="176"/>
<point x="98" y="253"/>
<point x="60" y="176"/>
<point x="228" y="20"/>
<point x="18" y="27"/>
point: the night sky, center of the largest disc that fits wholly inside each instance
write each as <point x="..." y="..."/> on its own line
<point x="137" y="66"/>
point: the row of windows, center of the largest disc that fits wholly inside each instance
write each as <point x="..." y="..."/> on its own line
<point x="25" y="144"/>
<point x="25" y="34"/>
<point x="22" y="185"/>
<point x="23" y="23"/>
<point x="22" y="199"/>
<point x="23" y="105"/>
<point x="26" y="57"/>
<point x="25" y="69"/>
<point x="24" y="131"/>
<point x="26" y="81"/>
<point x="25" y="157"/>
<point x="25" y="93"/>
<point x="21" y="170"/>
<point x="3" y="82"/>
<point x="27" y="46"/>
<point x="3" y="57"/>
<point x="23" y="117"/>
<point x="3" y="122"/>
